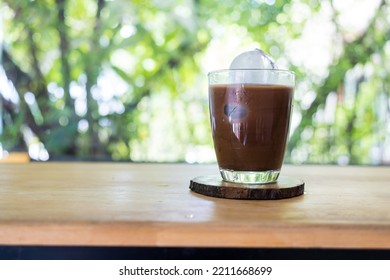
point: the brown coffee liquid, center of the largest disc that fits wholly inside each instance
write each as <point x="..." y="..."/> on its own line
<point x="250" y="125"/>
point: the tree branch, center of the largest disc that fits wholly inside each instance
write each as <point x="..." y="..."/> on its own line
<point x="64" y="51"/>
<point x="92" y="69"/>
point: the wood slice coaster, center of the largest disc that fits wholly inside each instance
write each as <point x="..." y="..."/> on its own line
<point x="285" y="187"/>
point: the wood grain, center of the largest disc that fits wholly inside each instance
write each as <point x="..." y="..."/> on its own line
<point x="151" y="205"/>
<point x="285" y="187"/>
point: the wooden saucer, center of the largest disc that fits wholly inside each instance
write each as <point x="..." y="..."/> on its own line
<point x="214" y="186"/>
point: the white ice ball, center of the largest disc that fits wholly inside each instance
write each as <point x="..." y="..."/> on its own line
<point x="255" y="59"/>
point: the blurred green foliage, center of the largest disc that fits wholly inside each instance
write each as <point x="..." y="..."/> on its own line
<point x="124" y="80"/>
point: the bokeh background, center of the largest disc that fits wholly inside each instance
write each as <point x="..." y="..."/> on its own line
<point x="126" y="80"/>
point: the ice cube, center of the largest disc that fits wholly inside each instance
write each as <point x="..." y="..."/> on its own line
<point x="258" y="63"/>
<point x="255" y="59"/>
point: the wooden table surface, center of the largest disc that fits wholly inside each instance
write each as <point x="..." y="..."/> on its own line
<point x="124" y="204"/>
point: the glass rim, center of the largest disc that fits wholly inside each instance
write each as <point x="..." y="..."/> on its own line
<point x="251" y="70"/>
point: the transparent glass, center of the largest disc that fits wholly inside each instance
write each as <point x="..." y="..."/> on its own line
<point x="250" y="112"/>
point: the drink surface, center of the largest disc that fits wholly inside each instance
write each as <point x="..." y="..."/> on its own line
<point x="250" y="125"/>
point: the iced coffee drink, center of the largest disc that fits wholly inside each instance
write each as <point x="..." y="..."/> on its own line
<point x="250" y="109"/>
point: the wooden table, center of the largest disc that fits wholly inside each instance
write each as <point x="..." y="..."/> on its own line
<point x="124" y="204"/>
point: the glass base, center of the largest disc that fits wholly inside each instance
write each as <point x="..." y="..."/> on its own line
<point x="250" y="177"/>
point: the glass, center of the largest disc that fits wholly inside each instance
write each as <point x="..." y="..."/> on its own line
<point x="250" y="113"/>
